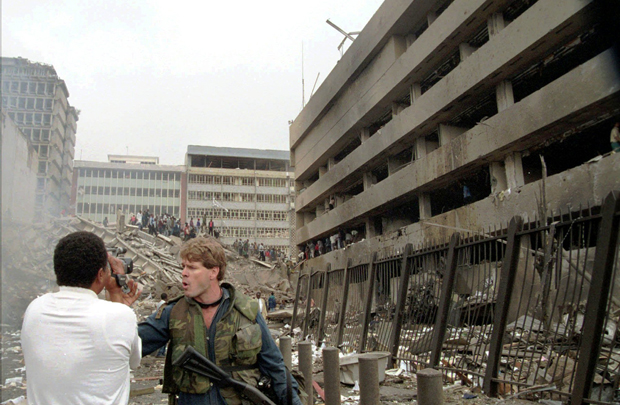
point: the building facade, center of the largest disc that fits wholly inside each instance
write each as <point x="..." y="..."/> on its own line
<point x="19" y="174"/>
<point x="36" y="99"/>
<point x="101" y="188"/>
<point x="454" y="115"/>
<point x="247" y="193"/>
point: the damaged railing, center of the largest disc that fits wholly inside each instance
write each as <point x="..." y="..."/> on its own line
<point x="526" y="310"/>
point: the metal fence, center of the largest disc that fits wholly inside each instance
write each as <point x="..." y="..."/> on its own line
<point x="528" y="309"/>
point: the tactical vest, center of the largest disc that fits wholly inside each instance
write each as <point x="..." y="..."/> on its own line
<point x="237" y="343"/>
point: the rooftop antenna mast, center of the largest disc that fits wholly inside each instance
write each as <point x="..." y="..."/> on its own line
<point x="303" y="96"/>
<point x="347" y="35"/>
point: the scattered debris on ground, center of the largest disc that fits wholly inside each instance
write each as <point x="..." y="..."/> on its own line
<point x="28" y="273"/>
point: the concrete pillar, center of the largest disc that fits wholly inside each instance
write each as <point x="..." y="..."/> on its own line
<point x="465" y="50"/>
<point x="504" y="95"/>
<point x="397" y="108"/>
<point x="309" y="217"/>
<point x="410" y="38"/>
<point x="424" y="201"/>
<point x="305" y="366"/>
<point x="371" y="232"/>
<point x="495" y="24"/>
<point x="398" y="44"/>
<point x="369" y="381"/>
<point x="368" y="179"/>
<point x="448" y="133"/>
<point x="364" y="134"/>
<point x="285" y="349"/>
<point x="514" y="171"/>
<point x="415" y="92"/>
<point x="430" y="387"/>
<point x="431" y="17"/>
<point x="331" y="373"/>
<point x="299" y="219"/>
<point x="298" y="186"/>
<point x="331" y="162"/>
<point x="419" y="147"/>
<point x="498" y="177"/>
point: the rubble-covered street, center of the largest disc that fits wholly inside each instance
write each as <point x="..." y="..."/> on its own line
<point x="29" y="273"/>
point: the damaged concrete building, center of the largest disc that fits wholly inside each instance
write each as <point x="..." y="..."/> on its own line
<point x="36" y="99"/>
<point x="19" y="173"/>
<point x="129" y="183"/>
<point x="247" y="193"/>
<point x="443" y="123"/>
<point x="447" y="115"/>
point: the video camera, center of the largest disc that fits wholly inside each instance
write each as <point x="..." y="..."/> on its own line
<point x="121" y="279"/>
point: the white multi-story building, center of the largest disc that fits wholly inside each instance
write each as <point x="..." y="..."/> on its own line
<point x="247" y="193"/>
<point x="36" y="99"/>
<point x="101" y="188"/>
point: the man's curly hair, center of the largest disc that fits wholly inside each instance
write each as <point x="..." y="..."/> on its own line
<point x="207" y="251"/>
<point x="78" y="258"/>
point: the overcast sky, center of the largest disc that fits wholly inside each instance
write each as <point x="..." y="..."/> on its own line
<point x="152" y="77"/>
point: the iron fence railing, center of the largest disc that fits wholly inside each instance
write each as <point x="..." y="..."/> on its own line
<point x="530" y="309"/>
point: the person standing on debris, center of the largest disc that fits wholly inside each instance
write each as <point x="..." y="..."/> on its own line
<point x="272" y="302"/>
<point x="261" y="252"/>
<point x="211" y="227"/>
<point x="614" y="138"/>
<point x="219" y="322"/>
<point x="105" y="222"/>
<point x="262" y="305"/>
<point x="78" y="349"/>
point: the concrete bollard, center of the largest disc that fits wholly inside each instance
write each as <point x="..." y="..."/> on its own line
<point x="369" y="381"/>
<point x="285" y="349"/>
<point x="331" y="372"/>
<point x="305" y="366"/>
<point x="430" y="387"/>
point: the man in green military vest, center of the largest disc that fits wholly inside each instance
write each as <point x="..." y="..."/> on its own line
<point x="221" y="324"/>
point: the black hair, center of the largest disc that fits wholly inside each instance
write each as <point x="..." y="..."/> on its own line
<point x="78" y="258"/>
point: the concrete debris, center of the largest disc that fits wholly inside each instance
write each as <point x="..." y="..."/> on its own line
<point x="27" y="253"/>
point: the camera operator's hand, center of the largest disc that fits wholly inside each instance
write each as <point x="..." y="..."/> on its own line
<point x="115" y="292"/>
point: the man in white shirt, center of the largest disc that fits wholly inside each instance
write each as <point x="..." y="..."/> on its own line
<point x="78" y="349"/>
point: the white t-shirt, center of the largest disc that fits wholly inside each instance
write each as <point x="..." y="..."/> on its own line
<point x="78" y="349"/>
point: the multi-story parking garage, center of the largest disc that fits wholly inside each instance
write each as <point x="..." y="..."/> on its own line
<point x="455" y="114"/>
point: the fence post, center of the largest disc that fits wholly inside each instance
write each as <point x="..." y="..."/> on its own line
<point x="344" y="300"/>
<point x="598" y="296"/>
<point x="297" y="294"/>
<point x="324" y="306"/>
<point x="400" y="305"/>
<point x="504" y="294"/>
<point x="443" y="311"/>
<point x="372" y="271"/>
<point x="308" y="302"/>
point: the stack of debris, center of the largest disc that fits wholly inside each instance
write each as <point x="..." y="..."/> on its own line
<point x="28" y="251"/>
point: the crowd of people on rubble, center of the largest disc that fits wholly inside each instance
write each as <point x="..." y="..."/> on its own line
<point x="167" y="225"/>
<point x="264" y="253"/>
<point x="339" y="240"/>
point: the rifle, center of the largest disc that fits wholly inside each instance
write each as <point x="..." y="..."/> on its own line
<point x="195" y="362"/>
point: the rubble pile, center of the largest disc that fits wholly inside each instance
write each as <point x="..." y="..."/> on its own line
<point x="27" y="268"/>
<point x="27" y="272"/>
